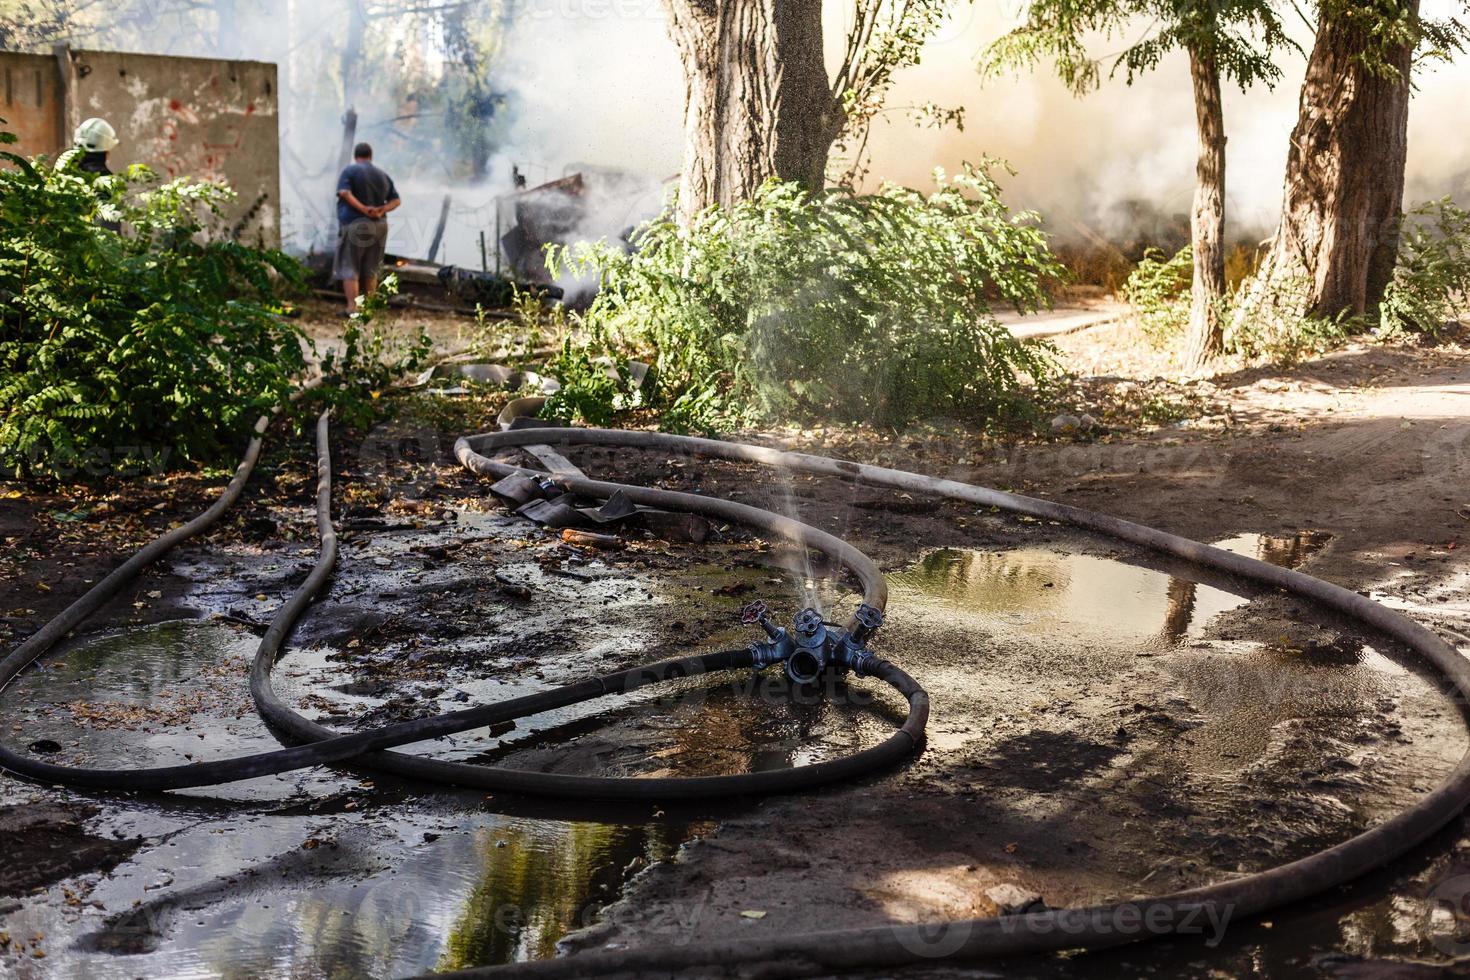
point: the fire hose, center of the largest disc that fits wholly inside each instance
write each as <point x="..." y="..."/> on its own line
<point x="324" y="745"/>
<point x="811" y="646"/>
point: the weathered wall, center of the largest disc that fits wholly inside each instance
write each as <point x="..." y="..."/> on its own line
<point x="197" y="117"/>
<point x="32" y="107"/>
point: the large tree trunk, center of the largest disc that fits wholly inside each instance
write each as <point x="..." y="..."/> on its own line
<point x="757" y="100"/>
<point x="1337" y="244"/>
<point x="1205" y="336"/>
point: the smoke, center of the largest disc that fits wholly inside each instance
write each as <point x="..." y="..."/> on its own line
<point x="1084" y="162"/>
<point x="595" y="88"/>
<point x="455" y="98"/>
<point x="545" y="88"/>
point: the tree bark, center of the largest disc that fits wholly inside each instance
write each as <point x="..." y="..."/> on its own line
<point x="1335" y="249"/>
<point x="757" y="100"/>
<point x="1205" y="337"/>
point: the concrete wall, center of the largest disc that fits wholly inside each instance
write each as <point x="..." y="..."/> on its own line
<point x="203" y="118"/>
<point x="32" y="101"/>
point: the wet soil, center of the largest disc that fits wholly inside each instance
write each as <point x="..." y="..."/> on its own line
<point x="1105" y="724"/>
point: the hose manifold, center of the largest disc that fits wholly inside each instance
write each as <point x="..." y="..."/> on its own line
<point x="811" y="648"/>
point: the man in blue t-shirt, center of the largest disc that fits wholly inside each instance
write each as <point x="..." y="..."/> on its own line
<point x="365" y="195"/>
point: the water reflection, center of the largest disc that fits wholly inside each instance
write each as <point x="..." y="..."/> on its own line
<point x="367" y="887"/>
<point x="528" y="896"/>
<point x="740" y="723"/>
<point x="1104" y="599"/>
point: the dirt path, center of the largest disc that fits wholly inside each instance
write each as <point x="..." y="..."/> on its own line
<point x="1370" y="446"/>
<point x="1077" y="748"/>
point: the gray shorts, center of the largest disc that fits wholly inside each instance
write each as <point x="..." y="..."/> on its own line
<point x="360" y="248"/>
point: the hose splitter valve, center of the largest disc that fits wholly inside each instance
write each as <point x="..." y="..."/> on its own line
<point x="811" y="647"/>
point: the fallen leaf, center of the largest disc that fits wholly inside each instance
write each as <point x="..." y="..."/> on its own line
<point x="752" y="914"/>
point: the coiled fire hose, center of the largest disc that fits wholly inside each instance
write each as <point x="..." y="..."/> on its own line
<point x="787" y="955"/>
<point x="325" y="745"/>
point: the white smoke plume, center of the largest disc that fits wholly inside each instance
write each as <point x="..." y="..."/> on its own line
<point x="581" y="84"/>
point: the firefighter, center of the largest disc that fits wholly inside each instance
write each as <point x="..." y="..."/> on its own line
<point x="96" y="138"/>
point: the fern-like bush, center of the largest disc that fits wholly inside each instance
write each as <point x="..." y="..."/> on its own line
<point x="873" y="308"/>
<point x="154" y="341"/>
<point x="1431" y="283"/>
<point x="1158" y="289"/>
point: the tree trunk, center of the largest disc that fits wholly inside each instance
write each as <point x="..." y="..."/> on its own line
<point x="757" y="100"/>
<point x="1335" y="250"/>
<point x="351" y="58"/>
<point x="1205" y="337"/>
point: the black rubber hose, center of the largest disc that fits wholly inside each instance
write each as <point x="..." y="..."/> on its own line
<point x="1039" y="932"/>
<point x="325" y="746"/>
<point x="660" y="789"/>
<point x="890" y="946"/>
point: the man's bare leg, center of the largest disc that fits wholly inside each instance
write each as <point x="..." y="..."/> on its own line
<point x="370" y="285"/>
<point x="349" y="289"/>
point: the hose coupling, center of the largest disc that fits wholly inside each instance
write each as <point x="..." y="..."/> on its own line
<point x="855" y="657"/>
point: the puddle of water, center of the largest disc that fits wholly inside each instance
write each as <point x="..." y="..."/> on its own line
<point x="430" y="887"/>
<point x="168" y="694"/>
<point x="368" y="890"/>
<point x="738" y="725"/>
<point x="385" y="889"/>
<point x="1044" y="632"/>
<point x="1092" y="598"/>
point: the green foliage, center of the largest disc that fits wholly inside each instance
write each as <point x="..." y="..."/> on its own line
<point x="1159" y="292"/>
<point x="370" y="360"/>
<point x="1387" y="26"/>
<point x="1281" y="327"/>
<point x="115" y="341"/>
<point x="594" y="385"/>
<point x="1287" y="340"/>
<point x="1431" y="284"/>
<point x="869" y="308"/>
<point x="1240" y="36"/>
<point x="885" y="36"/>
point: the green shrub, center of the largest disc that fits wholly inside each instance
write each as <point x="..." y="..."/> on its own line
<point x="1280" y="326"/>
<point x="117" y="345"/>
<point x="1431" y="283"/>
<point x="1159" y="292"/>
<point x="369" y="360"/>
<point x="594" y="383"/>
<point x="848" y="307"/>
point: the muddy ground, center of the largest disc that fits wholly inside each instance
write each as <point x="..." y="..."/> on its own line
<point x="1105" y="724"/>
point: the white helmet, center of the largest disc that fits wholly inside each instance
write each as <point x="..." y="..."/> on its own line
<point x="96" y="136"/>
